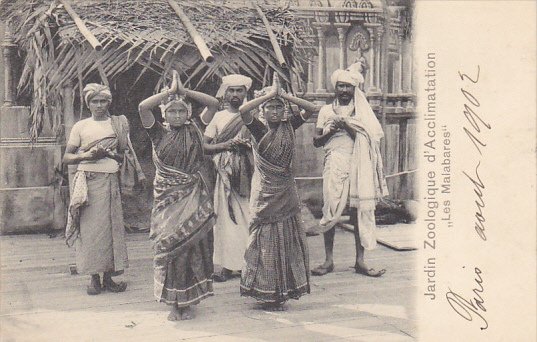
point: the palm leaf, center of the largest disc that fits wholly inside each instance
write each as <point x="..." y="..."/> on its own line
<point x="146" y="33"/>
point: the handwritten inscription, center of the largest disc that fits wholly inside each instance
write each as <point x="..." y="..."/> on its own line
<point x="474" y="128"/>
<point x="473" y="308"/>
<point x="479" y="202"/>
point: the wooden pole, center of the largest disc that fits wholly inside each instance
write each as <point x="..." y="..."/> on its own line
<point x="82" y="26"/>
<point x="196" y="37"/>
<point x="272" y="36"/>
<point x="8" y="48"/>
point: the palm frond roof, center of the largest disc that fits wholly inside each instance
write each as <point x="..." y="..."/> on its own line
<point x="146" y="33"/>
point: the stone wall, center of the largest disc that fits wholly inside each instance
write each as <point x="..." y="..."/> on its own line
<point x="32" y="196"/>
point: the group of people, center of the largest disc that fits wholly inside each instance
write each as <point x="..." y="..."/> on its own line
<point x="248" y="219"/>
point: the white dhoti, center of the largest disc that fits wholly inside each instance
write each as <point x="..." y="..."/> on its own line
<point x="336" y="189"/>
<point x="230" y="237"/>
<point x="352" y="176"/>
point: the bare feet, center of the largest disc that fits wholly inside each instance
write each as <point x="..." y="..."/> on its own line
<point x="323" y="269"/>
<point x="361" y="268"/>
<point x="180" y="314"/>
<point x="187" y="313"/>
<point x="273" y="306"/>
<point x="175" y="314"/>
<point x="223" y="275"/>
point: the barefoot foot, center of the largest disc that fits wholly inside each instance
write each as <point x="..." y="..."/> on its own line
<point x="175" y="314"/>
<point x="187" y="313"/>
<point x="362" y="268"/>
<point x="273" y="306"/>
<point x="323" y="269"/>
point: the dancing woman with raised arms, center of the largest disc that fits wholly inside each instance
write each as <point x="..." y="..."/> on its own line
<point x="277" y="266"/>
<point x="182" y="218"/>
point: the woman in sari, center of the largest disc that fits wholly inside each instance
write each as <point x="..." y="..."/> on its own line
<point x="101" y="147"/>
<point x="182" y="218"/>
<point x="277" y="265"/>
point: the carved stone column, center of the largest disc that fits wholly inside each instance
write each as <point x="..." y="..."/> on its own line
<point x="321" y="65"/>
<point x="378" y="59"/>
<point x="341" y="34"/>
<point x="401" y="63"/>
<point x="309" y="85"/>
<point x="372" y="62"/>
<point x="8" y="49"/>
<point x="409" y="68"/>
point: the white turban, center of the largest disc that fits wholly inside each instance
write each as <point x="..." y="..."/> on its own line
<point x="346" y="76"/>
<point x="362" y="108"/>
<point x="93" y="89"/>
<point x="234" y="80"/>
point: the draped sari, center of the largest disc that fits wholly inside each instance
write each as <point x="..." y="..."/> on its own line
<point x="277" y="264"/>
<point x="182" y="217"/>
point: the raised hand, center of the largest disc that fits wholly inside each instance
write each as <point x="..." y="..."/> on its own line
<point x="276" y="86"/>
<point x="175" y="82"/>
<point x="181" y="90"/>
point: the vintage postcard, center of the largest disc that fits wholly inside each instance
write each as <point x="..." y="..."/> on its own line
<point x="277" y="170"/>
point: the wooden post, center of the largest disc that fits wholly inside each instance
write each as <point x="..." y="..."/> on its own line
<point x="272" y="36"/>
<point x="196" y="37"/>
<point x="8" y="46"/>
<point x="82" y="26"/>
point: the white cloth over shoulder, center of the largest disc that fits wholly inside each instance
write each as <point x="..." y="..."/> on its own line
<point x="353" y="171"/>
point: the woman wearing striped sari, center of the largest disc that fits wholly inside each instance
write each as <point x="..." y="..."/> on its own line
<point x="182" y="218"/>
<point x="277" y="265"/>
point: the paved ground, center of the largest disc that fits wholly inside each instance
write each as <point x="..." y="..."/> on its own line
<point x="41" y="301"/>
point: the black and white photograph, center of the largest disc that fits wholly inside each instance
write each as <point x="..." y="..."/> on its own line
<point x="263" y="170"/>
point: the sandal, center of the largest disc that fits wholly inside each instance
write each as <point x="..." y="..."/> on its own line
<point x="94" y="288"/>
<point x="322" y="270"/>
<point x="114" y="287"/>
<point x="222" y="276"/>
<point x="371" y="272"/>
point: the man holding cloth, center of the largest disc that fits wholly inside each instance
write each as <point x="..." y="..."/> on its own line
<point x="353" y="174"/>
<point x="227" y="139"/>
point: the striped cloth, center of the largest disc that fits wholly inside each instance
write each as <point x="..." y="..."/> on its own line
<point x="277" y="264"/>
<point x="182" y="218"/>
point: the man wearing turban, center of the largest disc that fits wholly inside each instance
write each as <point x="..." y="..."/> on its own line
<point x="100" y="147"/>
<point x="227" y="140"/>
<point x="350" y="134"/>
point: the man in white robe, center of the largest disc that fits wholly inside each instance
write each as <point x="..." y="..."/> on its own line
<point x="227" y="140"/>
<point x="350" y="134"/>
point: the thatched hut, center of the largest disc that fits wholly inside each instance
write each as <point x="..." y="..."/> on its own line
<point x="49" y="57"/>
